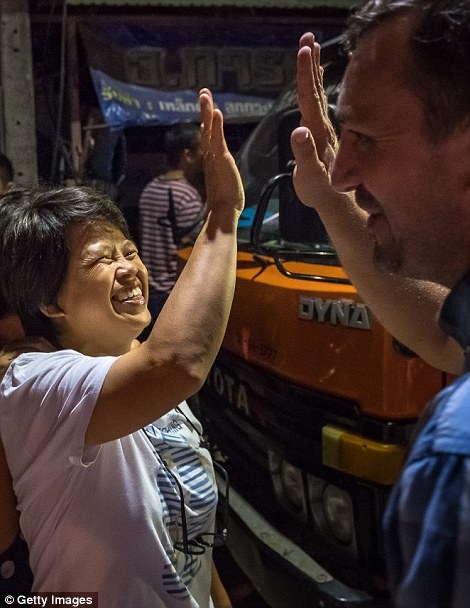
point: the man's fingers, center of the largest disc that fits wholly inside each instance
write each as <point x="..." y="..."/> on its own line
<point x="311" y="97"/>
<point x="305" y="82"/>
<point x="311" y="180"/>
<point x="303" y="146"/>
<point x="307" y="163"/>
<point x="318" y="79"/>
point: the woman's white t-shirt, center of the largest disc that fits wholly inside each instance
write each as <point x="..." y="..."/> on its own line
<point x="104" y="519"/>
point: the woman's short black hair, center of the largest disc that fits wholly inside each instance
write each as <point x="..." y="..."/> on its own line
<point x="35" y="228"/>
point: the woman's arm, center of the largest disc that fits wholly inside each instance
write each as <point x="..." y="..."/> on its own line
<point x="219" y="594"/>
<point x="174" y="361"/>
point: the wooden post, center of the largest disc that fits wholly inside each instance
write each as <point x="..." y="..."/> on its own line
<point x="18" y="124"/>
<point x="74" y="101"/>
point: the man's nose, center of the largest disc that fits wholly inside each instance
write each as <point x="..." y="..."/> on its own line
<point x="344" y="174"/>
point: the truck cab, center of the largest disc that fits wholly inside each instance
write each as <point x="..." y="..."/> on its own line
<point x="310" y="403"/>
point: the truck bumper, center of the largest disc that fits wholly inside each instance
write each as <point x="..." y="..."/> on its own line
<point x="283" y="574"/>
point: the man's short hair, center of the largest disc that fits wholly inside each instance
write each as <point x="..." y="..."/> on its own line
<point x="178" y="138"/>
<point x="440" y="55"/>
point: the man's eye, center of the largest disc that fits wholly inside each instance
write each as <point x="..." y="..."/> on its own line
<point x="132" y="253"/>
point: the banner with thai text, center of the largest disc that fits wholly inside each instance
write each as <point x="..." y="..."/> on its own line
<point x="123" y="104"/>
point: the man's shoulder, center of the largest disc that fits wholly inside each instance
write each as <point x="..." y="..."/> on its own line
<point x="451" y="428"/>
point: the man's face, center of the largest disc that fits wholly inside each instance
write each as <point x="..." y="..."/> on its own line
<point x="102" y="305"/>
<point x="415" y="190"/>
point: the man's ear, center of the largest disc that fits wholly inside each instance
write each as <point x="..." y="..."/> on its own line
<point x="53" y="311"/>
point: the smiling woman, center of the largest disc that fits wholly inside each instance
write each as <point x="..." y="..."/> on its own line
<point x="104" y="267"/>
<point x="102" y="508"/>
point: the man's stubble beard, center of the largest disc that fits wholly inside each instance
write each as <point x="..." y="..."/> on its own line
<point x="389" y="260"/>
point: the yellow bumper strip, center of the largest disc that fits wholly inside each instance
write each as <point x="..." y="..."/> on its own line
<point x="352" y="454"/>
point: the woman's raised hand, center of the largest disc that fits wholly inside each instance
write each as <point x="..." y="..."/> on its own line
<point x="224" y="188"/>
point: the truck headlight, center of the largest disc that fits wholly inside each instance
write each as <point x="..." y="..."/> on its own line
<point x="292" y="484"/>
<point x="288" y="484"/>
<point x="339" y="513"/>
<point x="333" y="514"/>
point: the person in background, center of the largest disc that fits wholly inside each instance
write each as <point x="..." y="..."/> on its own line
<point x="170" y="207"/>
<point x="394" y="194"/>
<point x="15" y="574"/>
<point x="10" y="326"/>
<point x="116" y="493"/>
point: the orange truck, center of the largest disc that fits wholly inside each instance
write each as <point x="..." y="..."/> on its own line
<point x="310" y="402"/>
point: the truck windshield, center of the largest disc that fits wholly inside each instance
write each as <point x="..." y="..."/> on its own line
<point x="266" y="162"/>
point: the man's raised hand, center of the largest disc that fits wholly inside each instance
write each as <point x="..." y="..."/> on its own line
<point x="314" y="143"/>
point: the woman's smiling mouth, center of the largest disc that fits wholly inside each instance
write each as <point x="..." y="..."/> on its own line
<point x="133" y="296"/>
